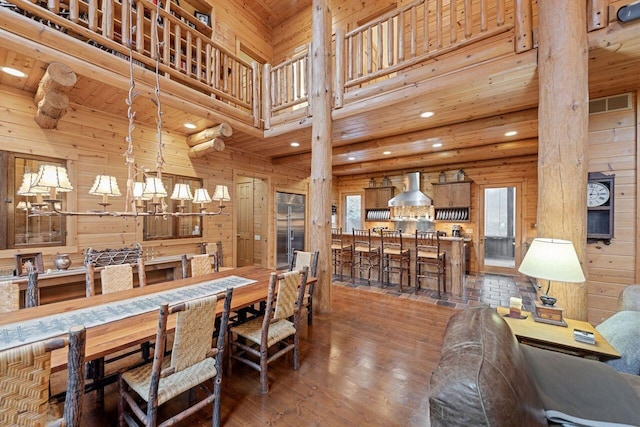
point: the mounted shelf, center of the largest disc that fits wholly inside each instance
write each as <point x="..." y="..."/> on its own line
<point x="376" y="201"/>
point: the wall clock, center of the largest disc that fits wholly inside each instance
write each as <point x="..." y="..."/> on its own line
<point x="600" y="207"/>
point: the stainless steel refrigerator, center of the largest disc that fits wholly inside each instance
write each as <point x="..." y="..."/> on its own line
<point x="290" y="227"/>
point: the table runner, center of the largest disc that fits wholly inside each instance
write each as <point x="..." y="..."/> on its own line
<point x="16" y="334"/>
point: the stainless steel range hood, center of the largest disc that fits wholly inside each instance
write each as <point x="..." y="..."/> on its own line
<point x="411" y="194"/>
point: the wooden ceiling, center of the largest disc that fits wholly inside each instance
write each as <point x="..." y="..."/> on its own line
<point x="275" y="12"/>
<point x="471" y="114"/>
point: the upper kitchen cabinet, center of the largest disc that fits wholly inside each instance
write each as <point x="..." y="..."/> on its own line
<point x="376" y="203"/>
<point x="452" y="201"/>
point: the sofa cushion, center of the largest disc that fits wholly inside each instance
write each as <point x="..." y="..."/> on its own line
<point x="622" y="331"/>
<point x="581" y="391"/>
<point x="482" y="378"/>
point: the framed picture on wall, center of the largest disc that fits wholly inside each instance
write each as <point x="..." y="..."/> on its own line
<point x="27" y="262"/>
<point x="203" y="17"/>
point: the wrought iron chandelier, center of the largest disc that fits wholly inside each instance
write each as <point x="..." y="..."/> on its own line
<point x="50" y="180"/>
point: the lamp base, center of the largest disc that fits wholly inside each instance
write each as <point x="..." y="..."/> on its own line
<point x="549" y="314"/>
<point x="547" y="300"/>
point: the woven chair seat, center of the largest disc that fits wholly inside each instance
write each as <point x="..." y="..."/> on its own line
<point x="252" y="330"/>
<point x="139" y="379"/>
<point x="9" y="297"/>
<point x="395" y="251"/>
<point x="340" y="245"/>
<point x="366" y="249"/>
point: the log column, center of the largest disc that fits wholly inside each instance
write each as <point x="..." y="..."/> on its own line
<point x="563" y="131"/>
<point x="321" y="128"/>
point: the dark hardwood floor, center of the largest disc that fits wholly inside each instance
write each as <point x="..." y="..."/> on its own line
<point x="368" y="362"/>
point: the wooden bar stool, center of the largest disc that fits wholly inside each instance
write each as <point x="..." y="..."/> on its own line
<point x="365" y="255"/>
<point x="395" y="257"/>
<point x="341" y="251"/>
<point x="430" y="260"/>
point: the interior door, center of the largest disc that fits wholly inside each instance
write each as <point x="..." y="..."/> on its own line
<point x="244" y="232"/>
<point x="500" y="228"/>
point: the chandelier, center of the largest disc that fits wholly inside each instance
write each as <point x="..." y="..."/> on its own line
<point x="51" y="180"/>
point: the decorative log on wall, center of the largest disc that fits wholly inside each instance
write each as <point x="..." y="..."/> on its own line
<point x="202" y="149"/>
<point x="51" y="96"/>
<point x="222" y="130"/>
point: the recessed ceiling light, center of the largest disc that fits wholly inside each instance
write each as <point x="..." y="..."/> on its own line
<point x="511" y="133"/>
<point x="437" y="145"/>
<point x="386" y="153"/>
<point x="13" y="72"/>
<point x="295" y="144"/>
<point x="190" y="126"/>
<point x="351" y="158"/>
<point x="427" y="114"/>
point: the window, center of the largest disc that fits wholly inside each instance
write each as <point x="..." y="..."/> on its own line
<point x="352" y="212"/>
<point x="23" y="228"/>
<point x="174" y="227"/>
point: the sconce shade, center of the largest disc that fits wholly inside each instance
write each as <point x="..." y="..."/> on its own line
<point x="202" y="196"/>
<point x="181" y="192"/>
<point x="105" y="185"/>
<point x="154" y="188"/>
<point x="552" y="259"/>
<point x="28" y="188"/>
<point x="221" y="193"/>
<point x="53" y="176"/>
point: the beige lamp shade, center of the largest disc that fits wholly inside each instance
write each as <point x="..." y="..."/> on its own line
<point x="221" y="193"/>
<point x="138" y="191"/>
<point x="154" y="187"/>
<point x="181" y="192"/>
<point x="28" y="188"/>
<point x="105" y="185"/>
<point x="552" y="259"/>
<point x="202" y="196"/>
<point x="54" y="177"/>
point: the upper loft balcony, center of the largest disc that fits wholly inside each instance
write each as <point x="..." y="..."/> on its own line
<point x="471" y="62"/>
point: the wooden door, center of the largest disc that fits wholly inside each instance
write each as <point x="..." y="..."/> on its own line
<point x="500" y="228"/>
<point x="245" y="222"/>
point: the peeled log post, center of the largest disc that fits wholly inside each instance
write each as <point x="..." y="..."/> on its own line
<point x="75" y="388"/>
<point x="58" y="78"/>
<point x="202" y="149"/>
<point x="222" y="130"/>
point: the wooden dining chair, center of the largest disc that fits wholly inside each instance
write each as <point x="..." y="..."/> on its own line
<point x="199" y="265"/>
<point x="278" y="327"/>
<point x="193" y="362"/>
<point x="114" y="278"/>
<point x="299" y="260"/>
<point x="9" y="296"/>
<point x="25" y="374"/>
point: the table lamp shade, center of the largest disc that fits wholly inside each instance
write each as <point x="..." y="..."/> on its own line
<point x="552" y="259"/>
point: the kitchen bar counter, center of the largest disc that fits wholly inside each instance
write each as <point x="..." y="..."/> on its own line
<point x="454" y="247"/>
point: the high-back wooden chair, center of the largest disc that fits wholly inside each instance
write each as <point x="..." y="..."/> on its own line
<point x="430" y="259"/>
<point x="342" y="252"/>
<point x="25" y="374"/>
<point x="366" y="256"/>
<point x="199" y="265"/>
<point x="300" y="260"/>
<point x="395" y="257"/>
<point x="251" y="341"/>
<point x="193" y="362"/>
<point x="114" y="278"/>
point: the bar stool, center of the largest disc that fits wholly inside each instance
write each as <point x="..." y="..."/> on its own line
<point x="395" y="257"/>
<point x="430" y="257"/>
<point x="341" y="251"/>
<point x="365" y="255"/>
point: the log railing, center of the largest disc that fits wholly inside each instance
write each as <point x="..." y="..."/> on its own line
<point x="186" y="53"/>
<point x="287" y="86"/>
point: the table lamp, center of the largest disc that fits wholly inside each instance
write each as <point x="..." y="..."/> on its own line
<point x="551" y="260"/>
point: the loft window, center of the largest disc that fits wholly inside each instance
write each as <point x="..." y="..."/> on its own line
<point x="22" y="227"/>
<point x="156" y="228"/>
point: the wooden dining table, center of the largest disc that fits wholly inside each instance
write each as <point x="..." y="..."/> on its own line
<point x="108" y="338"/>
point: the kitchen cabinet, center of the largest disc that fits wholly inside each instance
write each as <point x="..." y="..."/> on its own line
<point x="376" y="203"/>
<point x="452" y="201"/>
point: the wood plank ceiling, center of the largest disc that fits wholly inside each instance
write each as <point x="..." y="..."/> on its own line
<point x="471" y="118"/>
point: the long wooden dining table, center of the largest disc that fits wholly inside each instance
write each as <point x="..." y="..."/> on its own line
<point x="111" y="337"/>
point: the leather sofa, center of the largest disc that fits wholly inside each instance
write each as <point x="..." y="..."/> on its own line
<point x="486" y="378"/>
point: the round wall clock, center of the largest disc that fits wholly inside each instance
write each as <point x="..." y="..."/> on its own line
<point x="597" y="194"/>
